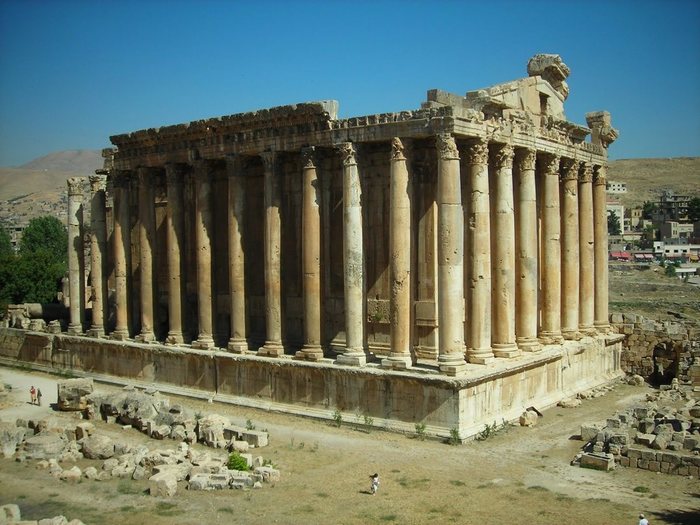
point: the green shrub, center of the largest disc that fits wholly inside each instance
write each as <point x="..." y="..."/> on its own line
<point x="237" y="462"/>
<point x="420" y="431"/>
<point x="337" y="417"/>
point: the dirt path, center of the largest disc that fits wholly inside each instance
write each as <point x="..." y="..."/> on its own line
<point x="518" y="476"/>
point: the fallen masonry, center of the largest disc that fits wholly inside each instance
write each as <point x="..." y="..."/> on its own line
<point x="10" y="514"/>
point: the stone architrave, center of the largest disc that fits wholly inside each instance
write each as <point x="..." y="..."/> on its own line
<point x="311" y="257"/>
<point x="550" y="249"/>
<point x="75" y="254"/>
<point x="527" y="252"/>
<point x="272" y="248"/>
<point x="600" y="227"/>
<point x="236" y="216"/>
<point x="569" y="250"/>
<point x="204" y="223"/>
<point x="98" y="236"/>
<point x="450" y="258"/>
<point x="146" y="229"/>
<point x="175" y="236"/>
<point x="121" y="243"/>
<point x="503" y="249"/>
<point x="478" y="287"/>
<point x="400" y="260"/>
<point x="353" y="260"/>
<point x="586" y="249"/>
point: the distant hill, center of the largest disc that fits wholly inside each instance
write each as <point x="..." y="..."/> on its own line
<point x="79" y="160"/>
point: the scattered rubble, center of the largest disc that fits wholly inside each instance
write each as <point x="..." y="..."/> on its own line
<point x="10" y="514"/>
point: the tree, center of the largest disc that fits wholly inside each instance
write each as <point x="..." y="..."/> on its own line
<point x="648" y="209"/>
<point x="694" y="209"/>
<point x="5" y="243"/>
<point x="7" y="266"/>
<point x="613" y="224"/>
<point x="45" y="234"/>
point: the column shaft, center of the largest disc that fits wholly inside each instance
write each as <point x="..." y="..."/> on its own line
<point x="450" y="258"/>
<point x="600" y="226"/>
<point x="503" y="249"/>
<point x="311" y="258"/>
<point x="75" y="254"/>
<point x="400" y="260"/>
<point x="550" y="261"/>
<point x="122" y="246"/>
<point x="353" y="260"/>
<point x="236" y="221"/>
<point x="98" y="237"/>
<point x="479" y="251"/>
<point x="203" y="233"/>
<point x="526" y="249"/>
<point x="586" y="250"/>
<point x="175" y="238"/>
<point x="146" y="230"/>
<point x="569" y="251"/>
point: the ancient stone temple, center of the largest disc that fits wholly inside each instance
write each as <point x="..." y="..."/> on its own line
<point x="444" y="265"/>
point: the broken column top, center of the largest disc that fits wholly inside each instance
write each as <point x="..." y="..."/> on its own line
<point x="552" y="69"/>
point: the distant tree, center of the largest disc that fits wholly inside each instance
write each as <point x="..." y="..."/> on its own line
<point x="613" y="224"/>
<point x="5" y="242"/>
<point x="45" y="234"/>
<point x="8" y="262"/>
<point x="648" y="209"/>
<point x="694" y="209"/>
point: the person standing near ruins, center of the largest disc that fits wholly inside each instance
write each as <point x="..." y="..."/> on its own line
<point x="38" y="396"/>
<point x="643" y="520"/>
<point x="374" y="484"/>
<point x="32" y="394"/>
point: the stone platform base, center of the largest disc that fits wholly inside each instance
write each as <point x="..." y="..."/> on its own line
<point x="395" y="399"/>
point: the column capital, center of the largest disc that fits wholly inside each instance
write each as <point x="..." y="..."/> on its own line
<point x="502" y="155"/>
<point x="399" y="148"/>
<point x="551" y="163"/>
<point x="308" y="158"/>
<point x="569" y="169"/>
<point x="268" y="159"/>
<point x="75" y="186"/>
<point x="525" y="158"/>
<point x="585" y="172"/>
<point x="97" y="183"/>
<point x="348" y="153"/>
<point x="599" y="178"/>
<point x="478" y="152"/>
<point x="446" y="146"/>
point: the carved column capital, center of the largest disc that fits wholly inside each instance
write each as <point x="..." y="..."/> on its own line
<point x="268" y="159"/>
<point x="75" y="186"/>
<point x="502" y="155"/>
<point x="599" y="178"/>
<point x="97" y="183"/>
<point x="308" y="158"/>
<point x="550" y="163"/>
<point x="478" y="152"/>
<point x="525" y="157"/>
<point x="398" y="149"/>
<point x="348" y="153"/>
<point x="569" y="169"/>
<point x="446" y="146"/>
<point x="585" y="172"/>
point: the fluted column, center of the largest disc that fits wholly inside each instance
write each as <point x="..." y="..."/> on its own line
<point x="586" y="250"/>
<point x="311" y="257"/>
<point x="400" y="260"/>
<point x="600" y="227"/>
<point x="273" y="242"/>
<point x="526" y="252"/>
<point x="146" y="229"/>
<point x="98" y="236"/>
<point x="550" y="261"/>
<point x="450" y="258"/>
<point x="203" y="232"/>
<point x="353" y="260"/>
<point x="569" y="250"/>
<point x="479" y="251"/>
<point x="122" y="246"/>
<point x="175" y="238"/>
<point x="75" y="254"/>
<point x="503" y="249"/>
<point x="236" y="219"/>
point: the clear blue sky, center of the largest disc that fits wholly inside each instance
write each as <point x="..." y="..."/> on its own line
<point x="72" y="73"/>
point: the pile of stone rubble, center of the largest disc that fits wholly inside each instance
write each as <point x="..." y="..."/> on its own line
<point x="661" y="435"/>
<point x="10" y="515"/>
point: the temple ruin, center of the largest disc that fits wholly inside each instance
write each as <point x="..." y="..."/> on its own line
<point x="445" y="265"/>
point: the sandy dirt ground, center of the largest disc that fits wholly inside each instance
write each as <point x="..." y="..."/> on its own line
<point x="520" y="475"/>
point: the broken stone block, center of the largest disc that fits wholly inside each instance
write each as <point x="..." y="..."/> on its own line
<point x="83" y="430"/>
<point x="268" y="474"/>
<point x="11" y="437"/>
<point x="598" y="461"/>
<point x="210" y="430"/>
<point x="71" y="475"/>
<point x="569" y="403"/>
<point x="198" y="481"/>
<point x="72" y="393"/>
<point x="646" y="426"/>
<point x="529" y="418"/>
<point x="589" y="432"/>
<point x="10" y="513"/>
<point x="645" y="439"/>
<point x="239" y="446"/>
<point x="162" y="484"/>
<point x="98" y="447"/>
<point x="45" y="445"/>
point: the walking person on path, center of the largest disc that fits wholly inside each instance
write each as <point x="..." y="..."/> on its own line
<point x="374" y="484"/>
<point x="32" y="394"/>
<point x="38" y="396"/>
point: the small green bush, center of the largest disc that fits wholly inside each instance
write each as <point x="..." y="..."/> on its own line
<point x="454" y="438"/>
<point x="420" y="431"/>
<point x="237" y="462"/>
<point x="337" y="417"/>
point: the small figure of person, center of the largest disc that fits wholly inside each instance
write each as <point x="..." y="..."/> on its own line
<point x="32" y="394"/>
<point x="374" y="483"/>
<point x="643" y="520"/>
<point x="38" y="396"/>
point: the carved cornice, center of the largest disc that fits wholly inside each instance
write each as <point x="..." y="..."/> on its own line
<point x="550" y="163"/>
<point x="348" y="153"/>
<point x="446" y="146"/>
<point x="599" y="176"/>
<point x="569" y="169"/>
<point x="75" y="186"/>
<point x="526" y="159"/>
<point x="585" y="173"/>
<point x="308" y="158"/>
<point x="502" y="156"/>
<point x="97" y="183"/>
<point x="478" y="152"/>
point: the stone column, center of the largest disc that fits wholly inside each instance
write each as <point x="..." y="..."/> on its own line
<point x="503" y="249"/>
<point x="550" y="274"/>
<point x="479" y="251"/>
<point x="586" y="251"/>
<point x="527" y="252"/>
<point x="75" y="254"/>
<point x="204" y="223"/>
<point x="175" y="235"/>
<point x="273" y="243"/>
<point x="122" y="246"/>
<point x="569" y="250"/>
<point x="353" y="261"/>
<point x="311" y="257"/>
<point x="400" y="260"/>
<point x="146" y="228"/>
<point x="450" y="258"/>
<point x="98" y="237"/>
<point x="236" y="216"/>
<point x="600" y="227"/>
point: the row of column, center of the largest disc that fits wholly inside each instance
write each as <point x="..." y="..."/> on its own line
<point x="535" y="269"/>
